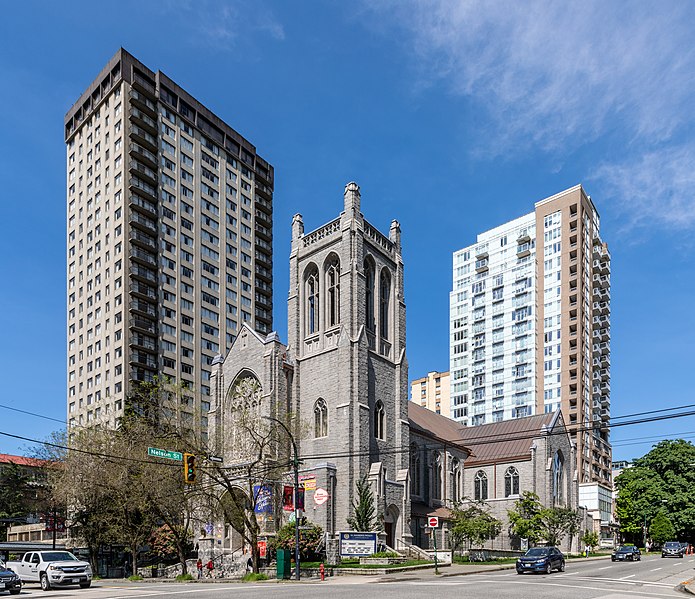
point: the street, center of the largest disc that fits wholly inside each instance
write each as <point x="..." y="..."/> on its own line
<point x="600" y="579"/>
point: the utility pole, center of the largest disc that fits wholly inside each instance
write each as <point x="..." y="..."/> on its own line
<point x="295" y="465"/>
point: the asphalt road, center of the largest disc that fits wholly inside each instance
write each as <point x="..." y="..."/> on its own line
<point x="653" y="577"/>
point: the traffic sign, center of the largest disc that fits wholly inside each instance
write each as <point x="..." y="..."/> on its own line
<point x="177" y="456"/>
<point x="433" y="522"/>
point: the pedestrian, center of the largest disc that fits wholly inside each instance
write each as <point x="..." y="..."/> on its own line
<point x="199" y="567"/>
<point x="209" y="567"/>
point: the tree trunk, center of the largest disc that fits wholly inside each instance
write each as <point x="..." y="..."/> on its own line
<point x="181" y="551"/>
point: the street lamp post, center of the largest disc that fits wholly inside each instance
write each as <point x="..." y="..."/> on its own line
<point x="296" y="492"/>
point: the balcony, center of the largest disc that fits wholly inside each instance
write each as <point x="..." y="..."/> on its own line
<point x="481" y="265"/>
<point x="145" y="241"/>
<point x="144" y="172"/>
<point x="143" y="154"/>
<point x="146" y="326"/>
<point x="144" y="342"/>
<point x="141" y="100"/>
<point x="481" y="251"/>
<point x="144" y="291"/>
<point x="601" y="281"/>
<point x="602" y="374"/>
<point x="523" y="250"/>
<point x="603" y="334"/>
<point x="147" y="223"/>
<point x="143" y="256"/>
<point x="142" y="186"/>
<point x="600" y="294"/>
<point x="523" y="237"/>
<point x="140" y="135"/>
<point x="601" y="308"/>
<point x="144" y="120"/>
<point x="143" y="308"/>
<point x="605" y="414"/>
<point x="143" y="273"/>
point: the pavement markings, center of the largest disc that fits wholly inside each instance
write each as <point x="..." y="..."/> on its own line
<point x="655" y="569"/>
<point x="606" y="568"/>
<point x="626" y="577"/>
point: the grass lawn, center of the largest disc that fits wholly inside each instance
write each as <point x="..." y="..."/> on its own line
<point x="355" y="563"/>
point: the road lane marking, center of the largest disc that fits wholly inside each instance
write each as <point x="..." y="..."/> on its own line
<point x="626" y="577"/>
<point x="638" y="592"/>
<point x="605" y="568"/>
<point x="655" y="569"/>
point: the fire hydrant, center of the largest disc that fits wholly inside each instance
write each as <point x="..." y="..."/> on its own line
<point x="322" y="572"/>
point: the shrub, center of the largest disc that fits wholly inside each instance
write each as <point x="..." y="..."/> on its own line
<point x="134" y="577"/>
<point x="385" y="554"/>
<point x="254" y="576"/>
<point x="184" y="577"/>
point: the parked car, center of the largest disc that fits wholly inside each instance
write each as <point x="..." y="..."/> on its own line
<point x="541" y="559"/>
<point x="9" y="581"/>
<point x="626" y="552"/>
<point x="52" y="569"/>
<point x="672" y="549"/>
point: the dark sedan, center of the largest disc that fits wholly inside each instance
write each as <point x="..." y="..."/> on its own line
<point x="672" y="549"/>
<point x="9" y="581"/>
<point x="541" y="559"/>
<point x="626" y="552"/>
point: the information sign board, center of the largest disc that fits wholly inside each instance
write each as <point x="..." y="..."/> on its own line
<point x="356" y="544"/>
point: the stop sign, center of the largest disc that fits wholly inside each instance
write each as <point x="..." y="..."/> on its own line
<point x="433" y="522"/>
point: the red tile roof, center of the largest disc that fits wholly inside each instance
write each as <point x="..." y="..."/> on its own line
<point x="6" y="458"/>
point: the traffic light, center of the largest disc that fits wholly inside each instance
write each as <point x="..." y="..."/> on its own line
<point x="189" y="470"/>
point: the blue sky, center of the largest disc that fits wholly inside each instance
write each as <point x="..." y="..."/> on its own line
<point x="453" y="117"/>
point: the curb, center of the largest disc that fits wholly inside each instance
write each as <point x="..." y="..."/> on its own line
<point x="685" y="587"/>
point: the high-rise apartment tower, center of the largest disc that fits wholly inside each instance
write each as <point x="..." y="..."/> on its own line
<point x="169" y="242"/>
<point x="530" y="325"/>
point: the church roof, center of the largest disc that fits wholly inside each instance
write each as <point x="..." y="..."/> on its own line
<point x="429" y="423"/>
<point x="507" y="440"/>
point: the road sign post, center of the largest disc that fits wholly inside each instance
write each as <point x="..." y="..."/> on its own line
<point x="433" y="524"/>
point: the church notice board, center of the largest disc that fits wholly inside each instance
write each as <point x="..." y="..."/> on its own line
<point x="357" y="544"/>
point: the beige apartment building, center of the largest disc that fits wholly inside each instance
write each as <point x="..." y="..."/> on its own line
<point x="432" y="392"/>
<point x="169" y="242"/>
<point x="530" y="325"/>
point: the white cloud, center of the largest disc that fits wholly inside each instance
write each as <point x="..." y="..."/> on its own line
<point x="557" y="75"/>
<point x="657" y="189"/>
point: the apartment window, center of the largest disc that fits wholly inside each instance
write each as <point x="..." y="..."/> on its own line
<point x="320" y="418"/>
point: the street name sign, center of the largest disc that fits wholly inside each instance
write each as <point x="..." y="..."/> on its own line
<point x="177" y="456"/>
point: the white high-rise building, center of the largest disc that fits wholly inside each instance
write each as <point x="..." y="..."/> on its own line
<point x="169" y="243"/>
<point x="530" y="325"/>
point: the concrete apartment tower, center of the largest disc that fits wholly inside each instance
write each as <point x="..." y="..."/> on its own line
<point x="432" y="392"/>
<point x="530" y="325"/>
<point x="169" y="242"/>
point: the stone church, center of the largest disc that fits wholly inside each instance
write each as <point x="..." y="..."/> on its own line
<point x="341" y="381"/>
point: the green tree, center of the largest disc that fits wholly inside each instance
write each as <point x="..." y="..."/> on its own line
<point x="558" y="522"/>
<point x="473" y="522"/>
<point x="310" y="537"/>
<point x="663" y="478"/>
<point x="590" y="538"/>
<point x="661" y="529"/>
<point x="364" y="511"/>
<point x="14" y="496"/>
<point x="526" y="519"/>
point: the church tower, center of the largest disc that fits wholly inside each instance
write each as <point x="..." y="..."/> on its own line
<point x="346" y="340"/>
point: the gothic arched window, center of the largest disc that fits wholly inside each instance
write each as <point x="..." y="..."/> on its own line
<point x="414" y="470"/>
<point x="384" y="300"/>
<point x="455" y="480"/>
<point x="437" y="476"/>
<point x="369" y="301"/>
<point x="511" y="482"/>
<point x="558" y="477"/>
<point x="333" y="291"/>
<point x="312" y="301"/>
<point x="379" y="420"/>
<point x="480" y="486"/>
<point x="320" y="419"/>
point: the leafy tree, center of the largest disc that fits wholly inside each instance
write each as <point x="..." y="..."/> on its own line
<point x="590" y="538"/>
<point x="14" y="496"/>
<point x="473" y="522"/>
<point x="525" y="520"/>
<point x="662" y="478"/>
<point x="363" y="508"/>
<point x="661" y="529"/>
<point x="310" y="537"/>
<point x="557" y="522"/>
